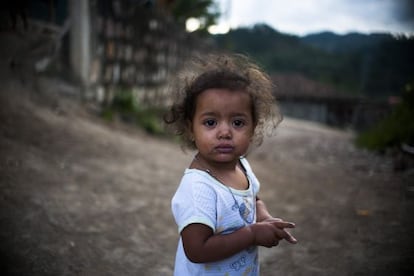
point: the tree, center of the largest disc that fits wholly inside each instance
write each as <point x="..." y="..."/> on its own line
<point x="206" y="11"/>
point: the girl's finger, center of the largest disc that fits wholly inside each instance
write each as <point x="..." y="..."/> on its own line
<point x="283" y="224"/>
<point x="283" y="234"/>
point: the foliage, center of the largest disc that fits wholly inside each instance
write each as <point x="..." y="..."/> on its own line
<point x="204" y="10"/>
<point x="394" y="130"/>
<point x="278" y="52"/>
<point x="126" y="106"/>
<point x="389" y="67"/>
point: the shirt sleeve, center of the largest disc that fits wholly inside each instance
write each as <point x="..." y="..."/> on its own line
<point x="194" y="202"/>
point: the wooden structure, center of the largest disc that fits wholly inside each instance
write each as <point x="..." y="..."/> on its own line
<point x="306" y="99"/>
<point x="132" y="45"/>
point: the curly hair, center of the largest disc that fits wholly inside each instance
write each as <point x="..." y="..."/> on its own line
<point x="232" y="72"/>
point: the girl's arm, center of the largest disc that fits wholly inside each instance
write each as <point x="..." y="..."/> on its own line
<point x="201" y="245"/>
<point x="261" y="211"/>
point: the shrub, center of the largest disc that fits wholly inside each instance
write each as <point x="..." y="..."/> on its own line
<point x="394" y="130"/>
<point x="126" y="106"/>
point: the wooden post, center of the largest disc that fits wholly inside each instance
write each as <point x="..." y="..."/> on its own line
<point x="80" y="40"/>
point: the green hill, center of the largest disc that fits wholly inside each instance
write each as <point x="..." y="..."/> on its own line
<point x="347" y="43"/>
<point x="376" y="65"/>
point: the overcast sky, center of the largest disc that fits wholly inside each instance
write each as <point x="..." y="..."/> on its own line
<point x="301" y="17"/>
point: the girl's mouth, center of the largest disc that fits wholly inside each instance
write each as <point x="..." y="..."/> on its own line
<point x="224" y="148"/>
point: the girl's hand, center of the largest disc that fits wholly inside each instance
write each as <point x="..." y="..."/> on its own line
<point x="269" y="232"/>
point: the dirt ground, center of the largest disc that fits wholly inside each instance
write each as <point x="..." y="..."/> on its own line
<point x="81" y="196"/>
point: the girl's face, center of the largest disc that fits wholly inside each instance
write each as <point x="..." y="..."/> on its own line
<point x="222" y="125"/>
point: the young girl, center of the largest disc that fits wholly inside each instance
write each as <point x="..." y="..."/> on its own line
<point x="220" y="112"/>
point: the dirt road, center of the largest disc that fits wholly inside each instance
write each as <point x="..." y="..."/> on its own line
<point x="80" y="196"/>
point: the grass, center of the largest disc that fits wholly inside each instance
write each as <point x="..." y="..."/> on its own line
<point x="125" y="106"/>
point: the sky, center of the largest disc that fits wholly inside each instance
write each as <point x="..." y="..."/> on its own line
<point x="301" y="17"/>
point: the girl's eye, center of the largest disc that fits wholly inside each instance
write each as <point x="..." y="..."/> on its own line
<point x="210" y="122"/>
<point x="238" y="123"/>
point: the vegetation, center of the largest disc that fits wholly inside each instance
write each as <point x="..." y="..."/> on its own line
<point x="204" y="10"/>
<point x="127" y="108"/>
<point x="394" y="130"/>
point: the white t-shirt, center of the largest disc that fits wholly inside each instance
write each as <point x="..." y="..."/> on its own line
<point x="200" y="198"/>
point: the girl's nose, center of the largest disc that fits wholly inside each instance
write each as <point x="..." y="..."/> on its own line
<point x="224" y="132"/>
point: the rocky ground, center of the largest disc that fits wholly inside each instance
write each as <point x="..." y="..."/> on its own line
<point x="81" y="196"/>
